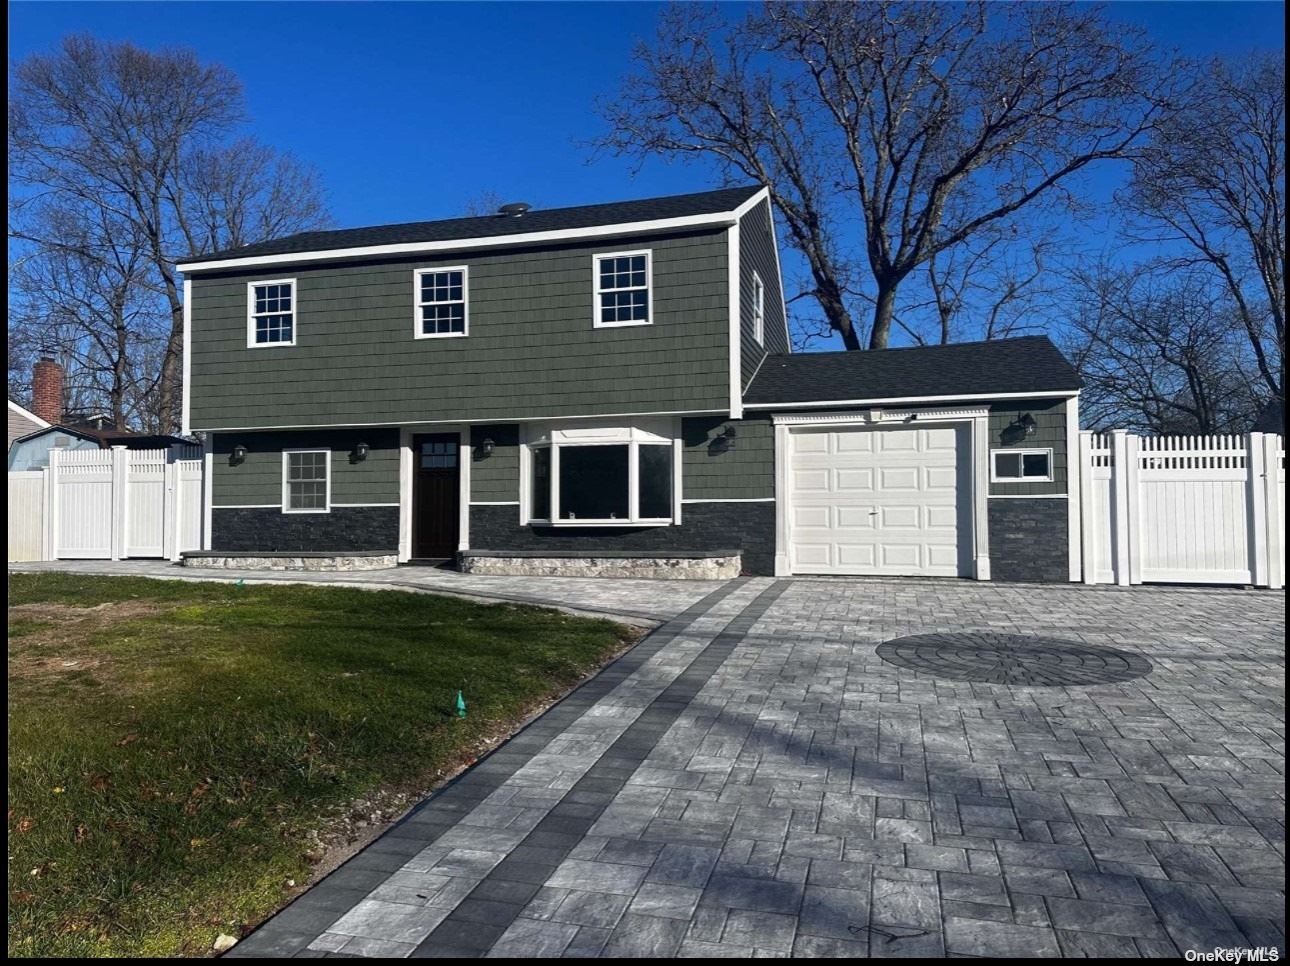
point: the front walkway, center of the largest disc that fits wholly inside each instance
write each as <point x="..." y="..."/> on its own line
<point x="760" y="777"/>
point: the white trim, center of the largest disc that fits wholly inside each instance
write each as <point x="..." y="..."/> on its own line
<point x="736" y="323"/>
<point x="753" y="202"/>
<point x="597" y="291"/>
<point x="465" y="455"/>
<point x="720" y="219"/>
<point x="405" y="494"/>
<point x="491" y="420"/>
<point x="1074" y="466"/>
<point x="759" y="309"/>
<point x="888" y="400"/>
<point x="185" y="393"/>
<point x="364" y="504"/>
<point x="1022" y="452"/>
<point x="418" y="304"/>
<point x="28" y="415"/>
<point x="248" y="506"/>
<point x="977" y="418"/>
<point x="494" y="502"/>
<point x="250" y="313"/>
<point x="1027" y="496"/>
<point x="753" y="499"/>
<point x="286" y="503"/>
<point x="208" y="489"/>
<point x="881" y="416"/>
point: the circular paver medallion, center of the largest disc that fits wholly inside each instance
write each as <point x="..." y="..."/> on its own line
<point x="1018" y="659"/>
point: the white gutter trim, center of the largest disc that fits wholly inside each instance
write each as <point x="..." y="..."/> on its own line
<point x="888" y="400"/>
<point x="722" y="219"/>
<point x="185" y="390"/>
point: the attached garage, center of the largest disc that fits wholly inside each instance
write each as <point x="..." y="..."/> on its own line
<point x="888" y="501"/>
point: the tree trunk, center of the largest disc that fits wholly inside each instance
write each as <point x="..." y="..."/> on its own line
<point x="884" y="308"/>
<point x="835" y="310"/>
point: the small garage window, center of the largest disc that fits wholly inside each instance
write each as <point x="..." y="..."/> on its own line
<point x="1022" y="465"/>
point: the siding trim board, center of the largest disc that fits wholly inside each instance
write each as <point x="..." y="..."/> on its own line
<point x="916" y="400"/>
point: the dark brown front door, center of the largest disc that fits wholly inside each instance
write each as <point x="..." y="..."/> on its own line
<point x="436" y="496"/>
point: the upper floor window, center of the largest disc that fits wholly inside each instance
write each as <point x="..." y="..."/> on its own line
<point x="622" y="289"/>
<point x="1022" y="465"/>
<point x="758" y="309"/>
<point x="441" y="302"/>
<point x="271" y="319"/>
<point x="306" y="481"/>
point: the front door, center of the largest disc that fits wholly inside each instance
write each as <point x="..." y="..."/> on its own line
<point x="436" y="496"/>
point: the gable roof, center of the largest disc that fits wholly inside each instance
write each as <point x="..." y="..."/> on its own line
<point x="107" y="438"/>
<point x="1031" y="364"/>
<point x="498" y="226"/>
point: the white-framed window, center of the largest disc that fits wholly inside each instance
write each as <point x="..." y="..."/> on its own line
<point x="271" y="313"/>
<point x="1021" y="465"/>
<point x="306" y="481"/>
<point x="622" y="476"/>
<point x="441" y="296"/>
<point x="758" y="309"/>
<point x="622" y="286"/>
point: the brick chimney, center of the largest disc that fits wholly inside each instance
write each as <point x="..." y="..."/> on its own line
<point x="47" y="390"/>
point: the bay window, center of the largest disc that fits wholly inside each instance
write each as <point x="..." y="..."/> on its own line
<point x="605" y="476"/>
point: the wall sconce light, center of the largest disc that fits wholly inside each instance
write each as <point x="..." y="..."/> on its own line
<point x="361" y="451"/>
<point x="485" y="448"/>
<point x="723" y="443"/>
<point x="238" y="456"/>
<point x="1023" y="427"/>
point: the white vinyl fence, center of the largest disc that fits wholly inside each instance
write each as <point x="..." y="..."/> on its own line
<point x="108" y="505"/>
<point x="1183" y="509"/>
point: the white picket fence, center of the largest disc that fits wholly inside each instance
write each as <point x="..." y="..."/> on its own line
<point x="108" y="505"/>
<point x="1183" y="509"/>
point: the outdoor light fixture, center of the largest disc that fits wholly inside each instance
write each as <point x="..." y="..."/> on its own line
<point x="361" y="451"/>
<point x="239" y="454"/>
<point x="724" y="442"/>
<point x="485" y="447"/>
<point x="1022" y="427"/>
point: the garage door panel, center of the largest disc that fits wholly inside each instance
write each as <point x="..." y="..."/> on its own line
<point x="877" y="501"/>
<point x="854" y="517"/>
<point x="854" y="480"/>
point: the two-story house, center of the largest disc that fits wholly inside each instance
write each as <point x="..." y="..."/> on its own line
<point x="587" y="389"/>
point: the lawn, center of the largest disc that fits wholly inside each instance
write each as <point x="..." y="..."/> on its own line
<point x="176" y="749"/>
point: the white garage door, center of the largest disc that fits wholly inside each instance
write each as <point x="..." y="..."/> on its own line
<point x="878" y="501"/>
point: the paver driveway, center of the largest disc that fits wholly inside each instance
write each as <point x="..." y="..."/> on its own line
<point x="755" y="779"/>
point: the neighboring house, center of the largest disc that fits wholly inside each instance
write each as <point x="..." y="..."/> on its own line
<point x="616" y="379"/>
<point x="31" y="452"/>
<point x="1272" y="419"/>
<point x="22" y="422"/>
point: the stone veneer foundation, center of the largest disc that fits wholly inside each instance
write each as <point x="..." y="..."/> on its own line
<point x="292" y="561"/>
<point x="721" y="566"/>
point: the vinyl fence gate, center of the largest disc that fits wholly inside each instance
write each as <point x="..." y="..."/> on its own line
<point x="108" y="505"/>
<point x="1183" y="509"/>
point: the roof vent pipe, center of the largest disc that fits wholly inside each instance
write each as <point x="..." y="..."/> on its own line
<point x="515" y="209"/>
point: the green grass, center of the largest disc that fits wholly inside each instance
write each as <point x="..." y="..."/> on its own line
<point x="171" y="751"/>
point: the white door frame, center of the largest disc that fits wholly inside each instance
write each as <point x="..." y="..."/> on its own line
<point x="977" y="418"/>
<point x="407" y="464"/>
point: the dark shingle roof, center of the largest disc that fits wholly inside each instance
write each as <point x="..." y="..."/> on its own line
<point x="107" y="438"/>
<point x="1029" y="364"/>
<point x="535" y="220"/>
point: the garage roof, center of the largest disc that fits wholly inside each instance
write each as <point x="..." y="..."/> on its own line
<point x="1030" y="364"/>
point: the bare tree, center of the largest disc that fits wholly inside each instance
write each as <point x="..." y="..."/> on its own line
<point x="142" y="138"/>
<point x="890" y="133"/>
<point x="1213" y="178"/>
<point x="1162" y="352"/>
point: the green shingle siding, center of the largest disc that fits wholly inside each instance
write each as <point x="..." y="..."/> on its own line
<point x="745" y="471"/>
<point x="531" y="349"/>
<point x="757" y="253"/>
<point x="257" y="480"/>
<point x="1050" y="431"/>
<point x="495" y="478"/>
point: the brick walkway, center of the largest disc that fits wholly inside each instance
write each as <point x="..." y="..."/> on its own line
<point x="754" y="779"/>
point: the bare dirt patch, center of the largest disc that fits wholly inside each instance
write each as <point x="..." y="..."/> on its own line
<point x="59" y="641"/>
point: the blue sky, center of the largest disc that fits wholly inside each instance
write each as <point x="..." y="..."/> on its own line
<point x="412" y="109"/>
